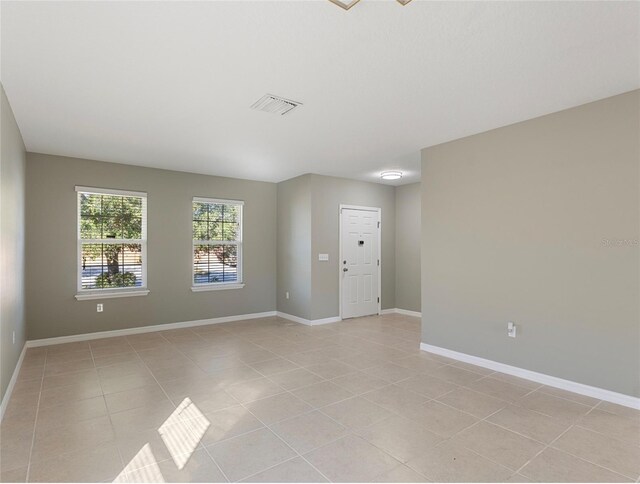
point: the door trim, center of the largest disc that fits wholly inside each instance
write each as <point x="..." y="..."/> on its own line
<point x="364" y="209"/>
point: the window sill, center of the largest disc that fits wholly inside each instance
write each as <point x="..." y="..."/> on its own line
<point x="112" y="294"/>
<point x="216" y="287"/>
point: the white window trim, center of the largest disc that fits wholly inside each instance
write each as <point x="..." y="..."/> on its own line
<point x="220" y="286"/>
<point x="88" y="294"/>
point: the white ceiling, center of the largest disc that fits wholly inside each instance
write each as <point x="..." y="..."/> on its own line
<point x="169" y="84"/>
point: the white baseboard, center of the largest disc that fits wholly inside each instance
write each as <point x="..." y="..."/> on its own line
<point x="552" y="381"/>
<point x="12" y="383"/>
<point x="308" y="322"/>
<point x="144" y="329"/>
<point x="406" y="312"/>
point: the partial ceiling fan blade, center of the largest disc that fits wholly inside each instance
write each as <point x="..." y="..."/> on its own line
<point x="346" y="4"/>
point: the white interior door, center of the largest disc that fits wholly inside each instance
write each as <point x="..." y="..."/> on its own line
<point x="360" y="262"/>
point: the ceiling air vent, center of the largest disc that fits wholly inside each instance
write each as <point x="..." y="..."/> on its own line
<point x="274" y="104"/>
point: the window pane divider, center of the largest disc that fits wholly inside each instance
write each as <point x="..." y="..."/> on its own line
<point x="113" y="241"/>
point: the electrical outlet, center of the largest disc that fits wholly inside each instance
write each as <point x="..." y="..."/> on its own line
<point x="511" y="329"/>
<point x="100" y="308"/>
<point x="286" y="294"/>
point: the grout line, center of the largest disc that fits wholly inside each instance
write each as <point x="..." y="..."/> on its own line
<point x="35" y="423"/>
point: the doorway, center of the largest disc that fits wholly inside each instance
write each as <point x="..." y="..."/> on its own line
<point x="360" y="265"/>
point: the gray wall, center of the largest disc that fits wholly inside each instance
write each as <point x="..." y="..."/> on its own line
<point x="515" y="224"/>
<point x="327" y="195"/>
<point x="12" y="202"/>
<point x="294" y="246"/>
<point x="51" y="244"/>
<point x="308" y="224"/>
<point x="408" y="247"/>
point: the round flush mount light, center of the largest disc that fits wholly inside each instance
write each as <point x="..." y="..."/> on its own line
<point x="391" y="175"/>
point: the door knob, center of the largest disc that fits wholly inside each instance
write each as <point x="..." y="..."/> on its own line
<point x="345" y="269"/>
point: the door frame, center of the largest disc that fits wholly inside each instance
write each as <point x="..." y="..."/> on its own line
<point x="364" y="209"/>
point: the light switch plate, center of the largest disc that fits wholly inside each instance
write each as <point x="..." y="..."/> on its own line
<point x="323" y="257"/>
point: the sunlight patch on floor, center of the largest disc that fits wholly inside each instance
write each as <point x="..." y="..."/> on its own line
<point x="142" y="468"/>
<point x="183" y="430"/>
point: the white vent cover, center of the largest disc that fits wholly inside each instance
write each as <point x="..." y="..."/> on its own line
<point x="274" y="104"/>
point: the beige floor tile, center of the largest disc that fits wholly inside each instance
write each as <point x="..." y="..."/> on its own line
<point x="455" y="375"/>
<point x="67" y="348"/>
<point x="450" y="462"/>
<point x="30" y="373"/>
<point x="476" y="403"/>
<point x="518" y="478"/>
<point x="115" y="384"/>
<point x="514" y="380"/>
<point x="331" y="369"/>
<point x="400" y="474"/>
<point x="395" y="398"/>
<point x="88" y="465"/>
<point x="228" y="423"/>
<point x="209" y="400"/>
<point x="499" y="389"/>
<point x="441" y="419"/>
<point x="474" y="368"/>
<point x="359" y="382"/>
<point x="556" y="466"/>
<point x="15" y="450"/>
<point x="499" y="445"/>
<point x="391" y="372"/>
<point x="189" y="370"/>
<point x="294" y="470"/>
<point x="53" y="369"/>
<point x="65" y="357"/>
<point x="49" y="418"/>
<point x="555" y="407"/>
<point x="72" y="438"/>
<point x="419" y="363"/>
<point x="399" y="437"/>
<point x="351" y="459"/>
<point x="619" y="410"/>
<point x="199" y="467"/>
<point x="322" y="394"/>
<point x="360" y="361"/>
<point x="70" y="393"/>
<point x="136" y="367"/>
<point x="142" y="418"/>
<point x="140" y="449"/>
<point x="309" y="431"/>
<point x="23" y="387"/>
<point x="356" y="412"/>
<point x="87" y="377"/>
<point x="250" y="453"/>
<point x="14" y="475"/>
<point x="600" y="449"/>
<point x="529" y="423"/>
<point x="117" y="359"/>
<point x="251" y="390"/>
<point x="428" y="385"/>
<point x="294" y="379"/>
<point x="612" y="425"/>
<point x="230" y="376"/>
<point x="138" y="397"/>
<point x="278" y="407"/>
<point x="273" y="366"/>
<point x="574" y="397"/>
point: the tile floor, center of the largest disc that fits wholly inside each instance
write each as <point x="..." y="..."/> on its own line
<point x="270" y="400"/>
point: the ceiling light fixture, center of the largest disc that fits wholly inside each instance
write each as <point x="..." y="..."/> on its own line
<point x="347" y="4"/>
<point x="391" y="175"/>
